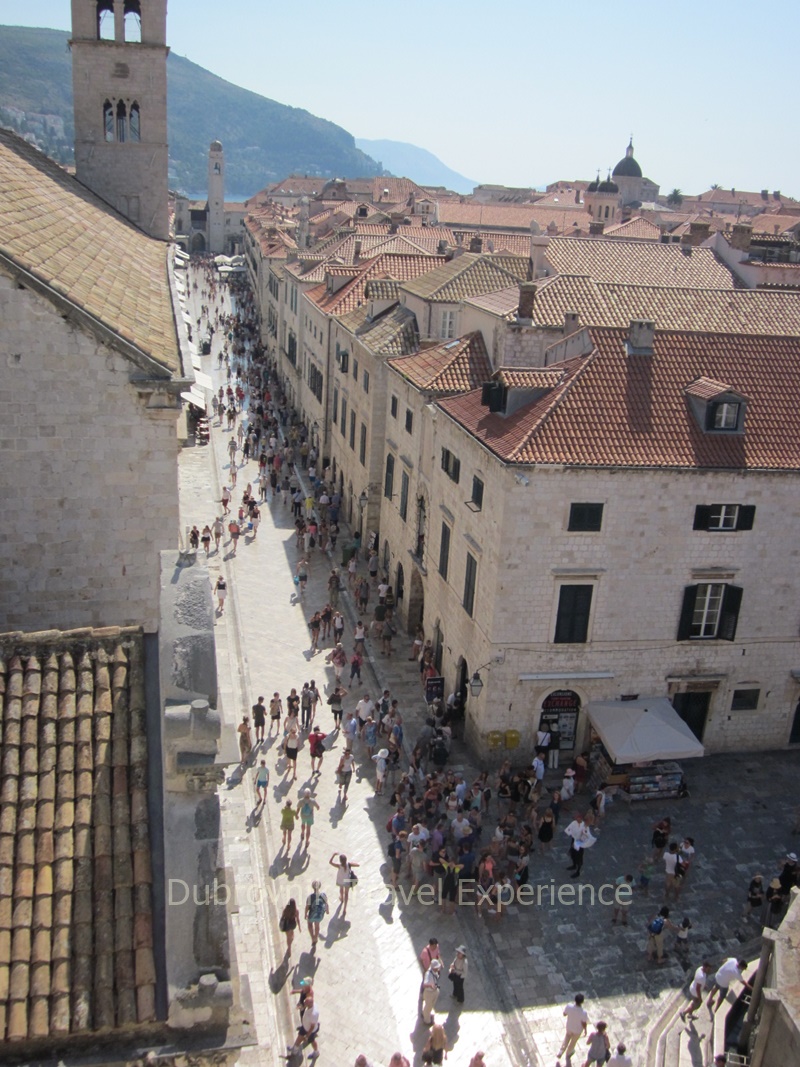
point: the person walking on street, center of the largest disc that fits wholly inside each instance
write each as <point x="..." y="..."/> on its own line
<point x="436" y="1046"/>
<point x="430" y="991"/>
<point x="316" y="910"/>
<point x="221" y="590"/>
<point x="259" y="719"/>
<point x="599" y="1047"/>
<point x="245" y="742"/>
<point x="620" y="1059"/>
<point x="302" y="574"/>
<point x="262" y="782"/>
<point x="217" y="529"/>
<point x="731" y="970"/>
<point x="317" y="749"/>
<point x="344" y="772"/>
<point x="458" y="973"/>
<point x="307" y="1030"/>
<point x="577" y="1023"/>
<point x="306" y="809"/>
<point x="696" y="990"/>
<point x="345" y="877"/>
<point x="290" y="916"/>
<point x="335" y="704"/>
<point x="275" y="712"/>
<point x="288" y="816"/>
<point x="656" y="929"/>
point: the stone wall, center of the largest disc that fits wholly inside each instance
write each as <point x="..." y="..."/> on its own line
<point x="88" y="477"/>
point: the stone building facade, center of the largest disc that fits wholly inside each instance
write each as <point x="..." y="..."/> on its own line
<point x="594" y="577"/>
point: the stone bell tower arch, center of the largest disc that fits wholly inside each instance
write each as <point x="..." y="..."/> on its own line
<point x="119" y="78"/>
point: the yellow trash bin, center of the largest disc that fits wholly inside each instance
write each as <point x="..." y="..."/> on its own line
<point x="512" y="738"/>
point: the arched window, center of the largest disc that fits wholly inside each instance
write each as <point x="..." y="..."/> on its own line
<point x="134" y="124"/>
<point x="122" y="124"/>
<point x="105" y="20"/>
<point x="108" y="121"/>
<point x="133" y="21"/>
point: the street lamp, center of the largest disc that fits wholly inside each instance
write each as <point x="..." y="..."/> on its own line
<point x="363" y="499"/>
<point x="476" y="682"/>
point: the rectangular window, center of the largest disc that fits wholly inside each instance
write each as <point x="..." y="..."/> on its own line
<point x="448" y="329"/>
<point x="444" y="551"/>
<point x="353" y="430"/>
<point x="344" y="361"/>
<point x="388" y="478"/>
<point x="365" y="381"/>
<point x="726" y="416"/>
<point x="355" y="370"/>
<point x="335" y="417"/>
<point x="572" y="622"/>
<point x="585" y="518"/>
<point x="710" y="609"/>
<point x="394" y="407"/>
<point x="451" y="465"/>
<point x="404" y="496"/>
<point x="745" y="699"/>
<point x="470" y="577"/>
<point x="362" y="446"/>
<point x="343" y="424"/>
<point x="409" y="420"/>
<point x="477" y="493"/>
<point x="716" y="517"/>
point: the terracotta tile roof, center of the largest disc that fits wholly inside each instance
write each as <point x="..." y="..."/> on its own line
<point x="735" y="197"/>
<point x="351" y="294"/>
<point x="76" y="934"/>
<point x="468" y="275"/>
<point x="296" y="185"/>
<point x="774" y="224"/>
<point x="745" y="311"/>
<point x="707" y="388"/>
<point x="312" y="267"/>
<point x="512" y="216"/>
<point x="57" y="230"/>
<point x="638" y="262"/>
<point x="612" y="409"/>
<point x="392" y="333"/>
<point x="382" y="289"/>
<point x="451" y="367"/>
<point x="504" y="302"/>
<point x="637" y="229"/>
<point x="414" y="233"/>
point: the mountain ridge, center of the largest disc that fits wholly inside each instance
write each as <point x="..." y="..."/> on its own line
<point x="422" y="166"/>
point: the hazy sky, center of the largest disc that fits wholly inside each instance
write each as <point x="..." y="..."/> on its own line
<point x="523" y="93"/>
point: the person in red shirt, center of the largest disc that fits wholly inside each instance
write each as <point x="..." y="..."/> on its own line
<point x="317" y="749"/>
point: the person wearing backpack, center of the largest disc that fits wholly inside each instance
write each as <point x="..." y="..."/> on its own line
<point x="656" y="928"/>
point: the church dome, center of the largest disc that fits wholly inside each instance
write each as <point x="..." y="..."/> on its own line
<point x="627" y="166"/>
<point x="608" y="186"/>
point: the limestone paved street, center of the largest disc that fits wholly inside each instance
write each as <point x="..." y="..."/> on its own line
<point x="523" y="967"/>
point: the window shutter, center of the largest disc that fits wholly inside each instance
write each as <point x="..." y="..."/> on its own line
<point x="702" y="517"/>
<point x="745" y="517"/>
<point x="456" y="470"/>
<point x="729" y="612"/>
<point x="687" y="613"/>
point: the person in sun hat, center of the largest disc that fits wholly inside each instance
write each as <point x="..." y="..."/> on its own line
<point x="430" y="991"/>
<point x="381" y="762"/>
<point x="458" y="973"/>
<point x="790" y="874"/>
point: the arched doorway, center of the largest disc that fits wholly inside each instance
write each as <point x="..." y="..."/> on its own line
<point x="198" y="243"/>
<point x="416" y="601"/>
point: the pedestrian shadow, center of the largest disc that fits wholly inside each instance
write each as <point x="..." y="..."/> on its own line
<point x="236" y="777"/>
<point x="386" y="909"/>
<point x="279" y="975"/>
<point x="338" y="929"/>
<point x="254" y="818"/>
<point x="452" y="1024"/>
<point x="336" y="811"/>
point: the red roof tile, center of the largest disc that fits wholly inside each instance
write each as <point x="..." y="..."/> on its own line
<point x="612" y="409"/>
<point x="451" y="367"/>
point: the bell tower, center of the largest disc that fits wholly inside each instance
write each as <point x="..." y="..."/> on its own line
<point x="216" y="198"/>
<point x="119" y="79"/>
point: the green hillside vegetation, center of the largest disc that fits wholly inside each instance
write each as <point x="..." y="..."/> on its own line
<point x="264" y="141"/>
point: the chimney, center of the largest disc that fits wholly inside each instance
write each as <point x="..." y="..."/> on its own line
<point x="539" y="243"/>
<point x="741" y="236"/>
<point x="641" y="333"/>
<point x="776" y="195"/>
<point x="357" y="252"/>
<point x="527" y="296"/>
<point x="596" y="229"/>
<point x="476" y="245"/>
<point x="699" y="231"/>
<point x="571" y="322"/>
<point x="765" y="194"/>
<point x="441" y="248"/>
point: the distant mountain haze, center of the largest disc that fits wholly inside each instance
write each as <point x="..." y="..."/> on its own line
<point x="418" y="164"/>
<point x="264" y="141"/>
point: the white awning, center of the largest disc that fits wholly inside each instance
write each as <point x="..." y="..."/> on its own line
<point x="195" y="396"/>
<point x="187" y="318"/>
<point x="642" y="730"/>
<point x="181" y="255"/>
<point x="203" y="380"/>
